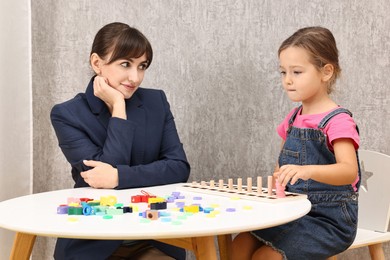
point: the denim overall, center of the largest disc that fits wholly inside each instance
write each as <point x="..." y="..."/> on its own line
<point x="330" y="226"/>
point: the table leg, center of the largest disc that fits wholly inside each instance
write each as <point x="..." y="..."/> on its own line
<point x="22" y="247"/>
<point x="203" y="247"/>
<point x="376" y="252"/>
<point x="225" y="246"/>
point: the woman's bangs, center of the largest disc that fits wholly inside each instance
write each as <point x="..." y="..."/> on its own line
<point x="130" y="45"/>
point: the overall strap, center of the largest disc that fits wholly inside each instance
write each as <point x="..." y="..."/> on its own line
<point x="329" y="116"/>
<point x="292" y="118"/>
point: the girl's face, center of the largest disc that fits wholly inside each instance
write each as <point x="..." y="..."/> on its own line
<point x="302" y="81"/>
<point x="125" y="75"/>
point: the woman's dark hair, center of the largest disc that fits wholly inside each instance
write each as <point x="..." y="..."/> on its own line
<point x="123" y="41"/>
<point x="321" y="46"/>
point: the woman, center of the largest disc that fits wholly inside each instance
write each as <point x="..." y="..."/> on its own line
<point x="118" y="135"/>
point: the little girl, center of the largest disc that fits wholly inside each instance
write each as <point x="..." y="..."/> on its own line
<point x="318" y="157"/>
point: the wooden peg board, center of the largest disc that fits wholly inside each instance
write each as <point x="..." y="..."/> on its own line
<point x="205" y="188"/>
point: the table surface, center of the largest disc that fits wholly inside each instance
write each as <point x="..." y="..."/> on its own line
<point x="37" y="214"/>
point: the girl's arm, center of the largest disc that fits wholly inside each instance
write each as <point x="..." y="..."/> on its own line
<point x="343" y="172"/>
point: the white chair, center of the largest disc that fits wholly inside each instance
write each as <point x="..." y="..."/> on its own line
<point x="374" y="203"/>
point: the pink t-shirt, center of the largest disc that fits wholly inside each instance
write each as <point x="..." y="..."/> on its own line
<point x="340" y="126"/>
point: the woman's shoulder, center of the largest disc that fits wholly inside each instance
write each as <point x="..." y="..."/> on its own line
<point x="150" y="94"/>
<point x="72" y="104"/>
<point x="149" y="91"/>
<point x="79" y="98"/>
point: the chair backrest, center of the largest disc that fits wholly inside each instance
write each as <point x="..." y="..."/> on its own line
<point x="374" y="193"/>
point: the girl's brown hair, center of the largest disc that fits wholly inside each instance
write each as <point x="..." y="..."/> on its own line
<point x="321" y="46"/>
<point x="123" y="41"/>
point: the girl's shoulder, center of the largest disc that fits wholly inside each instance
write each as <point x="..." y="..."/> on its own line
<point x="342" y="117"/>
<point x="342" y="126"/>
<point x="338" y="114"/>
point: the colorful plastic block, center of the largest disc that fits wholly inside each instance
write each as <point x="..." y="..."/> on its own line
<point x="158" y="205"/>
<point x="151" y="214"/>
<point x="114" y="211"/>
<point x="108" y="200"/>
<point x="191" y="208"/>
<point x="75" y="211"/>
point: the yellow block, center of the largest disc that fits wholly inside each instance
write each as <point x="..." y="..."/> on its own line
<point x="154" y="200"/>
<point x="191" y="208"/>
<point x="108" y="200"/>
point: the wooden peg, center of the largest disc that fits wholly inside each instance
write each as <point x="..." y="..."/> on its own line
<point x="259" y="184"/>
<point x="230" y="183"/>
<point x="239" y="184"/>
<point x="249" y="184"/>
<point x="270" y="184"/>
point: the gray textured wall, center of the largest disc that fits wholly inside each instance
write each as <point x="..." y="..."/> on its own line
<point x="217" y="62"/>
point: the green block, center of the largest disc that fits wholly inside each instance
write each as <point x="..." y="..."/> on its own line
<point x="111" y="211"/>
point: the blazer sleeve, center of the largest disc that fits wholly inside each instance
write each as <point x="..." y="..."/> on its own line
<point x="82" y="137"/>
<point x="170" y="167"/>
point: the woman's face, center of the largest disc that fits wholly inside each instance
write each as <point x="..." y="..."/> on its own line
<point x="124" y="75"/>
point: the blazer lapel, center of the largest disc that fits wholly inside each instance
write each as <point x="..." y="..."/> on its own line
<point x="136" y="113"/>
<point x="98" y="107"/>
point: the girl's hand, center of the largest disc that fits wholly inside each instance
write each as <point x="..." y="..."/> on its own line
<point x="102" y="176"/>
<point x="106" y="93"/>
<point x="291" y="173"/>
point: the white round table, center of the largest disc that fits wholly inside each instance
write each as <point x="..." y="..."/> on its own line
<point x="36" y="215"/>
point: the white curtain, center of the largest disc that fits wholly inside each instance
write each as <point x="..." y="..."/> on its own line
<point x="15" y="106"/>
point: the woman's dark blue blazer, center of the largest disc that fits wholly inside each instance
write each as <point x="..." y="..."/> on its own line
<point x="145" y="149"/>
